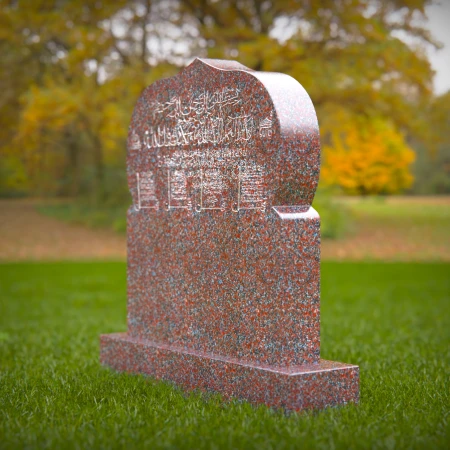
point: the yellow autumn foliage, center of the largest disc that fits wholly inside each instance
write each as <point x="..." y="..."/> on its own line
<point x="368" y="158"/>
<point x="72" y="72"/>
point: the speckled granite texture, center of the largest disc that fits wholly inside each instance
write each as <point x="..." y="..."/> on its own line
<point x="223" y="244"/>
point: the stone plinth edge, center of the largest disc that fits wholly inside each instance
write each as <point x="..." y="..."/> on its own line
<point x="312" y="386"/>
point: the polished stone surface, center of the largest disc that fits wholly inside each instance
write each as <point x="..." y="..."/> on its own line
<point x="223" y="244"/>
<point x="308" y="386"/>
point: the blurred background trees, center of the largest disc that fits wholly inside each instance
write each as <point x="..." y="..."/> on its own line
<point x="72" y="71"/>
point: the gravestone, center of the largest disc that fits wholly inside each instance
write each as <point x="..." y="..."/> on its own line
<point x="223" y="244"/>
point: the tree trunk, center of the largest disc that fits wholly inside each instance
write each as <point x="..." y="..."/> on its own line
<point x="99" y="170"/>
<point x="73" y="169"/>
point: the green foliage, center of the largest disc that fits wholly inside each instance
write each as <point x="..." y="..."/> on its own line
<point x="70" y="105"/>
<point x="334" y="217"/>
<point x="432" y="169"/>
<point x="13" y="179"/>
<point x="391" y="319"/>
<point x="72" y="71"/>
<point x="88" y="214"/>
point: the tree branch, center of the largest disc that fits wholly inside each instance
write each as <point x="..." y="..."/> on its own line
<point x="145" y="19"/>
<point x="242" y="15"/>
<point x="125" y="58"/>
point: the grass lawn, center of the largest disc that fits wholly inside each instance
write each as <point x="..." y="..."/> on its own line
<point x="113" y="218"/>
<point x="391" y="319"/>
<point x="433" y="211"/>
<point x="373" y="228"/>
<point x="394" y="229"/>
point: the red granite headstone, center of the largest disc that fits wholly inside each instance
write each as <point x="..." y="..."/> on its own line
<point x="223" y="244"/>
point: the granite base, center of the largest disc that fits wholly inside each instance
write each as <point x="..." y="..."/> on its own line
<point x="312" y="386"/>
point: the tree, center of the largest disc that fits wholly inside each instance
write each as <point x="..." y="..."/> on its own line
<point x="432" y="169"/>
<point x="345" y="52"/>
<point x="67" y="111"/>
<point x="368" y="157"/>
<point x="366" y="83"/>
<point x="73" y="70"/>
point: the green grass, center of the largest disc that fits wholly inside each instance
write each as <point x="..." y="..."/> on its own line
<point x="334" y="216"/>
<point x="399" y="208"/>
<point x="391" y="319"/>
<point x="108" y="217"/>
<point x="413" y="220"/>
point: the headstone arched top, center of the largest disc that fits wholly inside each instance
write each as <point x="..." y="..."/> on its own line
<point x="220" y="136"/>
